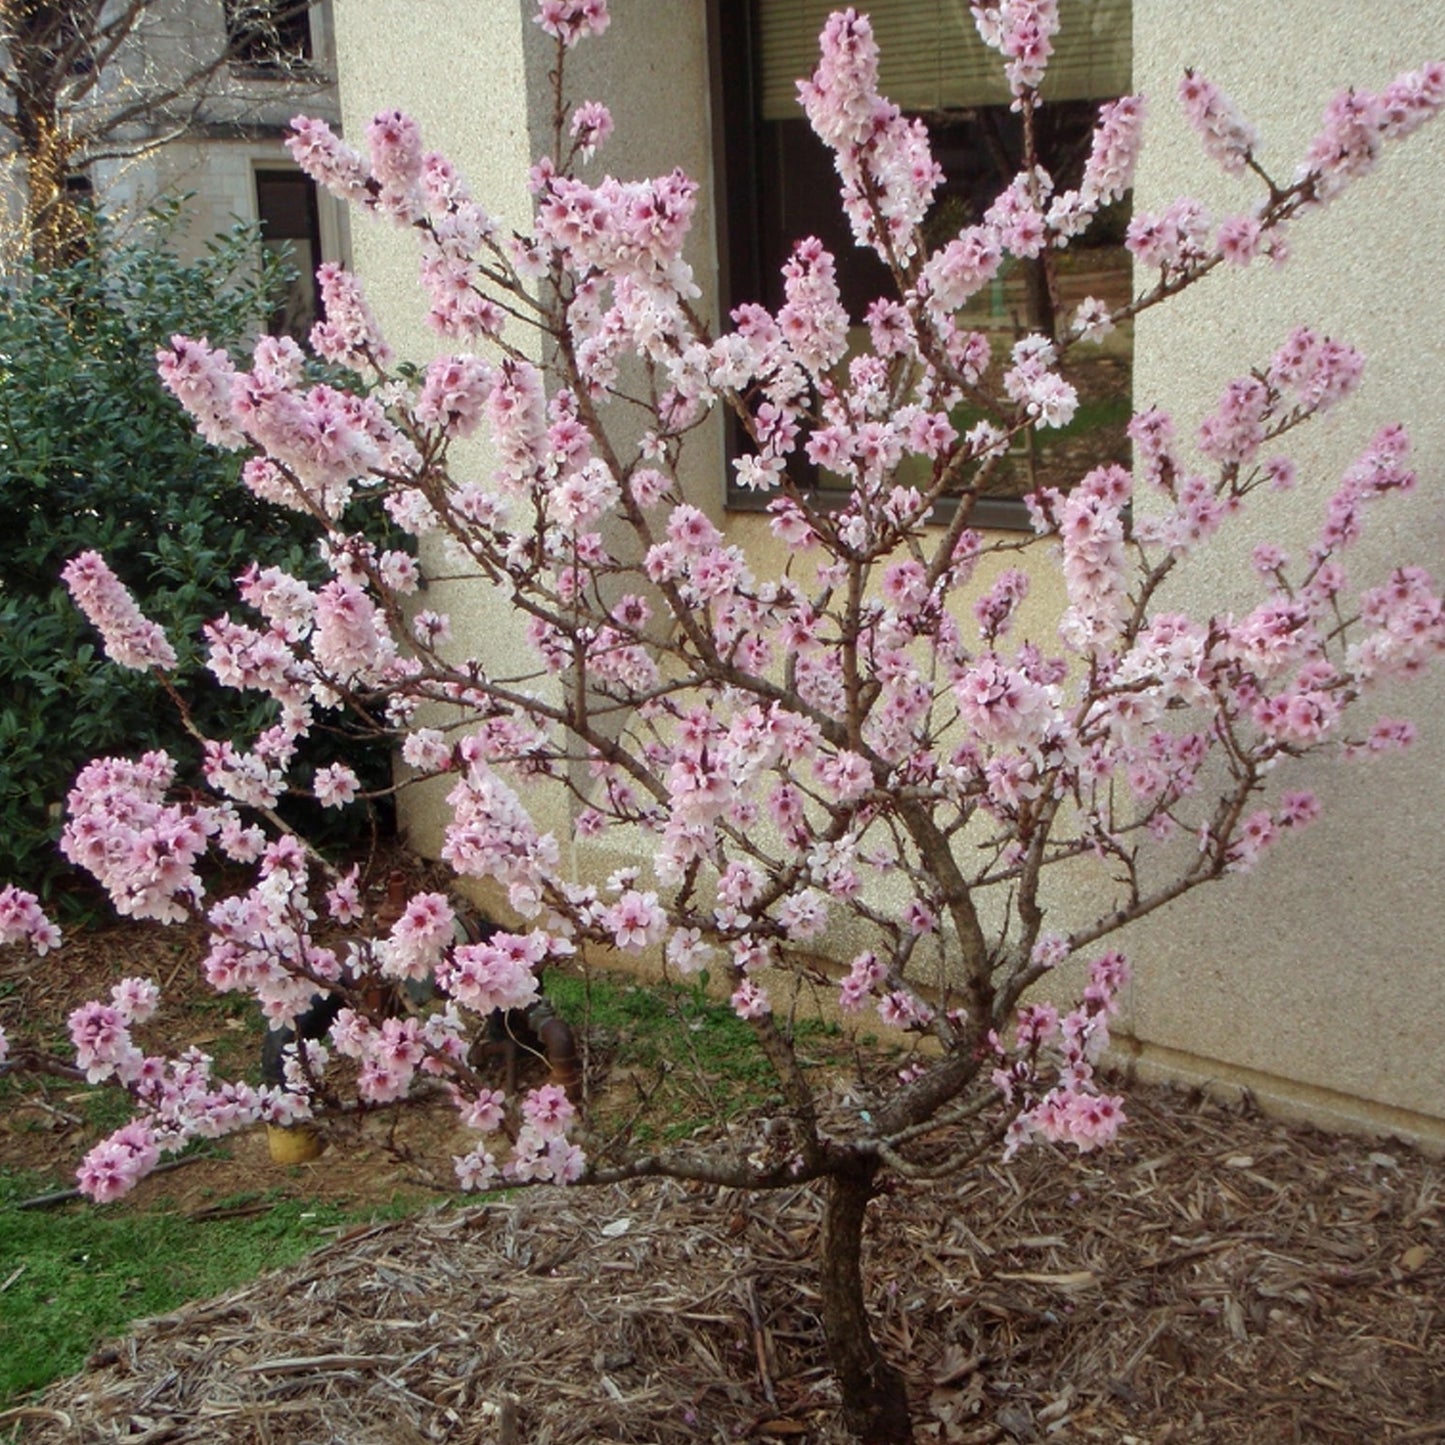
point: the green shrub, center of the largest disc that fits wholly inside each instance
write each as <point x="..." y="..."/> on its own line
<point x="95" y="454"/>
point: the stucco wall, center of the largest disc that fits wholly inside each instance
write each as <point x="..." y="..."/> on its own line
<point x="1315" y="982"/>
<point x="475" y="77"/>
<point x="1318" y="978"/>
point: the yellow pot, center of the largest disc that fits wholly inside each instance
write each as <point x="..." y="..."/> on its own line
<point x="292" y="1146"/>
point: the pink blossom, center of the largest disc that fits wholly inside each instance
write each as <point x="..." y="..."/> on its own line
<point x="961" y="268"/>
<point x="327" y="160"/>
<point x="335" y="785"/>
<point x="1173" y="240"/>
<point x="750" y="1001"/>
<point x="813" y="321"/>
<point x="1356" y="122"/>
<point x="21" y="917"/>
<point x="548" y="1110"/>
<point x="1022" y="31"/>
<point x="1109" y="171"/>
<point x="135" y="999"/>
<point x="455" y="393"/>
<point x="129" y="638"/>
<point x="349" y="333"/>
<point x="570" y="20"/>
<point x="483" y="1110"/>
<point x="1087" y="1121"/>
<point x="343" y="899"/>
<point x="102" y="1042"/>
<point x="591" y="125"/>
<point x="200" y="377"/>
<point x="427" y="750"/>
<point x="351" y="640"/>
<point x="688" y="951"/>
<point x="117" y="1164"/>
<point x="1298" y="809"/>
<point x="635" y="921"/>
<point x="903" y="1009"/>
<point x="498" y="974"/>
<point x="1229" y="140"/>
<point x="140" y="848"/>
<point x="1238" y="239"/>
<point x="418" y="938"/>
<point x="476" y="1171"/>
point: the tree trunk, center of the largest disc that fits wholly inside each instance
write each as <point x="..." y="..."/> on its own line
<point x="875" y="1400"/>
<point x="42" y="43"/>
<point x="53" y="221"/>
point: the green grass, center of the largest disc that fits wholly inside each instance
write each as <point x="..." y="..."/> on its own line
<point x="74" y="1276"/>
<point x="707" y="1064"/>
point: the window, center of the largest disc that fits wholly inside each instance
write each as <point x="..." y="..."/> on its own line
<point x="269" y="37"/>
<point x="58" y="34"/>
<point x="779" y="184"/>
<point x="287" y="208"/>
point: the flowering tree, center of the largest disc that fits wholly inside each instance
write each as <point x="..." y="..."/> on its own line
<point x="842" y="761"/>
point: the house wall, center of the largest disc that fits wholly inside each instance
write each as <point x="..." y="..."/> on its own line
<point x="1317" y="981"/>
<point x="1313" y="982"/>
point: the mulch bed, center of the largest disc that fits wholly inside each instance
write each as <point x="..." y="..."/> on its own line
<point x="1218" y="1278"/>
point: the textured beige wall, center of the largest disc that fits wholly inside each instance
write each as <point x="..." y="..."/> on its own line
<point x="475" y="77"/>
<point x="1316" y="980"/>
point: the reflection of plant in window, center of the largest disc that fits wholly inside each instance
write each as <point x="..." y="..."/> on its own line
<point x="936" y="68"/>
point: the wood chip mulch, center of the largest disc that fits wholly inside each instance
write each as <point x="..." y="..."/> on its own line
<point x="1219" y="1278"/>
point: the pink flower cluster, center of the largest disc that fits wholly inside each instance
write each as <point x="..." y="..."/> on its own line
<point x="1066" y="1050"/>
<point x="541" y="1151"/>
<point x="319" y="442"/>
<point x="179" y="1101"/>
<point x="130" y="639"/>
<point x="1022" y="31"/>
<point x="1358" y="122"/>
<point x="883" y="159"/>
<point x="142" y="849"/>
<point x="570" y="20"/>
<point x="348" y="334"/>
<point x="1229" y="139"/>
<point x="22" y="918"/>
<point x="498" y="974"/>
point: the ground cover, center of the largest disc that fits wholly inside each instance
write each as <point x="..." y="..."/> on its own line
<point x="1218" y="1278"/>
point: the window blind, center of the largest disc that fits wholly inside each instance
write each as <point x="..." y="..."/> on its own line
<point x="931" y="57"/>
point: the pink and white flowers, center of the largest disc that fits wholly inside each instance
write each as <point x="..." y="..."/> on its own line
<point x="843" y="756"/>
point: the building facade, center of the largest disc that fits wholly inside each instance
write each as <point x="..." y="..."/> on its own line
<point x="1315" y="982"/>
<point x="194" y="102"/>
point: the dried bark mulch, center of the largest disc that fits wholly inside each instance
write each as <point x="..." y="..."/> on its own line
<point x="1218" y="1278"/>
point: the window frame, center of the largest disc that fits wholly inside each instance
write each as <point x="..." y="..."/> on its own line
<point x="733" y="33"/>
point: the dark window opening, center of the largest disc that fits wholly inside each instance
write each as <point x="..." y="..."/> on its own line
<point x="779" y="185"/>
<point x="55" y="35"/>
<point x="269" y="37"/>
<point x="291" y="229"/>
